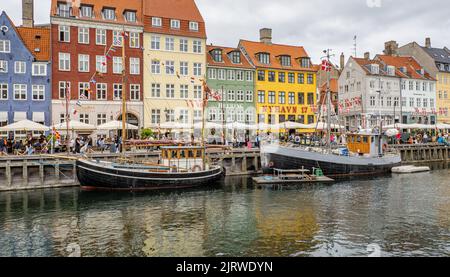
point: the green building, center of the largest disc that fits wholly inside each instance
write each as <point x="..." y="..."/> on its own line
<point x="232" y="78"/>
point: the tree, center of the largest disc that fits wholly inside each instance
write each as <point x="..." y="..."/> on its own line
<point x="147" y="133"/>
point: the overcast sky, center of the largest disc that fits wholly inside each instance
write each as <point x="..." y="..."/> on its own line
<point x="316" y="25"/>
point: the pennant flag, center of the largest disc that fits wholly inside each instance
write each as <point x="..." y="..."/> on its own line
<point x="142" y="48"/>
<point x="113" y="49"/>
<point x="108" y="56"/>
<point x="79" y="104"/>
<point x="192" y="79"/>
<point x="93" y="81"/>
<point x="83" y="97"/>
<point x="124" y="34"/>
<point x="74" y="112"/>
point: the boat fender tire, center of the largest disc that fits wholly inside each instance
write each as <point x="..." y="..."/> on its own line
<point x="196" y="168"/>
<point x="297" y="139"/>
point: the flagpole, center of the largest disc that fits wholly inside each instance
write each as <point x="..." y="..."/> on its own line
<point x="67" y="118"/>
<point x="124" y="89"/>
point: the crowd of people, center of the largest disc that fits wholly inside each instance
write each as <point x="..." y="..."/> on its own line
<point x="28" y="146"/>
<point x="421" y="138"/>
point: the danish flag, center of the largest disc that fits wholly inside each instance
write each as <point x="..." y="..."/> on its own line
<point x="326" y="66"/>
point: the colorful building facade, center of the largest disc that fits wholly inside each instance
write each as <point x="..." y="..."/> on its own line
<point x="175" y="63"/>
<point x="231" y="77"/>
<point x="24" y="73"/>
<point x="87" y="62"/>
<point x="285" y="81"/>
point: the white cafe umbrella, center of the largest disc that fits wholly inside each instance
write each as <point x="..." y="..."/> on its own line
<point x="208" y="125"/>
<point x="116" y="125"/>
<point x="442" y="126"/>
<point x="74" y="125"/>
<point x="25" y="125"/>
<point x="323" y="126"/>
<point x="292" y="125"/>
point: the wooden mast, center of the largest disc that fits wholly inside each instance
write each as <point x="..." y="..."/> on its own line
<point x="124" y="90"/>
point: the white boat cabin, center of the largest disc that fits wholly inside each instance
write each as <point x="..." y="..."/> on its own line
<point x="183" y="158"/>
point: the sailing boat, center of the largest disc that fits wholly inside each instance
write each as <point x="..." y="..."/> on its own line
<point x="179" y="167"/>
<point x="365" y="153"/>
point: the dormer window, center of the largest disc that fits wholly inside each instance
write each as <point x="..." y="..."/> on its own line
<point x="391" y="70"/>
<point x="86" y="11"/>
<point x="442" y="67"/>
<point x="174" y="24"/>
<point x="264" y="58"/>
<point x="403" y="69"/>
<point x="193" y="26"/>
<point x="64" y="10"/>
<point x="217" y="55"/>
<point x="305" y="63"/>
<point x="285" y="60"/>
<point x="374" y="69"/>
<point x="235" y="57"/>
<point x="130" y="16"/>
<point x="156" y="21"/>
<point x="109" y="14"/>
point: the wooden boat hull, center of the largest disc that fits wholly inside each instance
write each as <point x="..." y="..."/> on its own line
<point x="98" y="176"/>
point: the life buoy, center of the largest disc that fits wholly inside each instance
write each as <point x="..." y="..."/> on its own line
<point x="196" y="168"/>
<point x="297" y="139"/>
<point x="271" y="165"/>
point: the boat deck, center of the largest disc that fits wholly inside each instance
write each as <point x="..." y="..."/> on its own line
<point x="271" y="181"/>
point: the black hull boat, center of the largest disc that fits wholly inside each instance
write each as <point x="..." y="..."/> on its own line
<point x="105" y="176"/>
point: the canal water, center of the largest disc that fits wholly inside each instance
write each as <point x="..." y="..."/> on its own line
<point x="405" y="215"/>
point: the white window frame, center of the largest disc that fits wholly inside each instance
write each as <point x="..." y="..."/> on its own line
<point x="5" y="46"/>
<point x="184" y="45"/>
<point x="100" y="37"/>
<point x="135" y="66"/>
<point x="99" y="67"/>
<point x="82" y="87"/>
<point x="193" y="26"/>
<point x="156" y="90"/>
<point x="83" y="63"/>
<point x="117" y="38"/>
<point x="117" y="88"/>
<point x="184" y="68"/>
<point x="83" y="35"/>
<point x="156" y="22"/>
<point x="4" y="66"/>
<point x="20" y="67"/>
<point x="4" y="88"/>
<point x="20" y="88"/>
<point x="99" y="89"/>
<point x="64" y="59"/>
<point x="170" y="67"/>
<point x="38" y="91"/>
<point x="62" y="86"/>
<point x="170" y="44"/>
<point x="117" y="65"/>
<point x="135" y="41"/>
<point x="198" y="93"/>
<point x="197" y="69"/>
<point x="155" y="43"/>
<point x="66" y="33"/>
<point x="156" y="67"/>
<point x="111" y="14"/>
<point x="135" y="92"/>
<point x="184" y="91"/>
<point x="84" y="118"/>
<point x="175" y="24"/>
<point x="170" y="91"/>
<point x="101" y="119"/>
<point x="197" y="46"/>
<point x="249" y="96"/>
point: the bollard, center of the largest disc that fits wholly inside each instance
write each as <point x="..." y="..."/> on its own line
<point x="8" y="174"/>
<point x="25" y="173"/>
<point x="41" y="172"/>
<point x="57" y="176"/>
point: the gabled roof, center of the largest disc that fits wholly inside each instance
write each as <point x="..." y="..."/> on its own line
<point x="441" y="55"/>
<point x="174" y="9"/>
<point x="276" y="50"/>
<point x="411" y="65"/>
<point x="365" y="65"/>
<point x="226" y="61"/>
<point x="333" y="86"/>
<point x="37" y="40"/>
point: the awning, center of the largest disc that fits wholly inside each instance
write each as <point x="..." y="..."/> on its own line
<point x="19" y="116"/>
<point x="3" y="116"/>
<point x="39" y="117"/>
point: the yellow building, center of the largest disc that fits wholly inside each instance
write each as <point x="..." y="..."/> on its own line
<point x="285" y="87"/>
<point x="175" y="62"/>
<point x="443" y="96"/>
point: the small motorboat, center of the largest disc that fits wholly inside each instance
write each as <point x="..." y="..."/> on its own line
<point x="410" y="169"/>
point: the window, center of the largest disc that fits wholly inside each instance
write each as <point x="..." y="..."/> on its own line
<point x="301" y="98"/>
<point x="84" y="118"/>
<point x="217" y="55"/>
<point x="221" y="74"/>
<point x="64" y="88"/>
<point x="425" y="103"/>
<point x="117" y="38"/>
<point x="135" y="92"/>
<point x="240" y="75"/>
<point x="20" y="67"/>
<point x="3" y="91"/>
<point x="184" y="116"/>
<point x="184" y="45"/>
<point x="83" y="93"/>
<point x="101" y="119"/>
<point x="264" y="58"/>
<point x="249" y="96"/>
<point x="134" y="40"/>
<point x="197" y="114"/>
<point x="155" y="43"/>
<point x="100" y="64"/>
<point x="109" y="14"/>
<point x="175" y="24"/>
<point x="389" y="101"/>
<point x="404" y="101"/>
<point x="417" y="86"/>
<point x="64" y="34"/>
<point x="411" y="85"/>
<point x="64" y="9"/>
<point x="117" y="65"/>
<point x="396" y="101"/>
<point x="64" y="61"/>
<point x="86" y="11"/>
<point x="20" y="92"/>
<point x="249" y="116"/>
<point x="291" y="97"/>
<point x="170" y="91"/>
<point x="418" y="102"/>
<point x="197" y="69"/>
<point x="272" y="97"/>
<point x="310" y="119"/>
<point x="306" y="62"/>
<point x="193" y="26"/>
<point x="271" y="76"/>
<point x="101" y="91"/>
<point x="261" y="75"/>
<point x="62" y="118"/>
<point x="301" y="78"/>
<point x="100" y="36"/>
<point x="424" y="86"/>
<point x="156" y="67"/>
<point x="184" y="91"/>
<point x="281" y="77"/>
<point x="311" y="98"/>
<point x="135" y="66"/>
<point x="291" y="78"/>
<point x="3" y="66"/>
<point x="240" y="115"/>
<point x="403" y="85"/>
<point x="198" y="92"/>
<point x="249" y="75"/>
<point x="170" y="44"/>
<point x="240" y="96"/>
<point x="212" y="73"/>
<point x="156" y="22"/>
<point x="83" y="35"/>
<point x="83" y="63"/>
<point x="282" y="97"/>
<point x="184" y="68"/>
<point x="285" y="60"/>
<point x="231" y="96"/>
<point x="310" y="79"/>
<point x="117" y="91"/>
<point x="231" y="75"/>
<point x="38" y="92"/>
<point x="170" y="67"/>
<point x="411" y="102"/>
<point x="432" y="103"/>
<point x="130" y="16"/>
<point x="235" y="57"/>
<point x="261" y="97"/>
<point x="170" y="116"/>
<point x="197" y="46"/>
<point x="156" y="90"/>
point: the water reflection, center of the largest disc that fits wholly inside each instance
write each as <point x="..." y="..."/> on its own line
<point x="406" y="215"/>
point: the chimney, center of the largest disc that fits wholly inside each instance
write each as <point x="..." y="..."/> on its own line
<point x="428" y="42"/>
<point x="367" y="55"/>
<point x="342" y="61"/>
<point x="266" y="36"/>
<point x="28" y="13"/>
<point x="390" y="48"/>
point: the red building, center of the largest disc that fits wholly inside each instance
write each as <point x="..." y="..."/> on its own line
<point x="86" y="41"/>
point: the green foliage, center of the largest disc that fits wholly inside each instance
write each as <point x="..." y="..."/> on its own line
<point x="147" y="133"/>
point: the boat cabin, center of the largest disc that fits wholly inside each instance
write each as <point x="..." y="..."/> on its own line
<point x="183" y="158"/>
<point x="365" y="144"/>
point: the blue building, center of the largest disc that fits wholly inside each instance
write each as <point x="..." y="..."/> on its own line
<point x="24" y="73"/>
